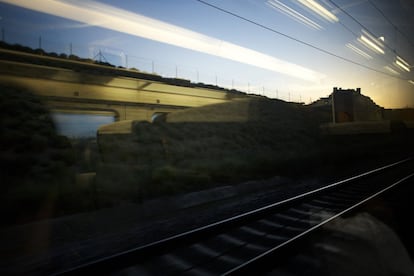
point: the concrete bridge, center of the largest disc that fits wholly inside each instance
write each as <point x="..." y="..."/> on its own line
<point x="77" y="87"/>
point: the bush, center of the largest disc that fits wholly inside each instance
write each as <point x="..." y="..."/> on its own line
<point x="35" y="162"/>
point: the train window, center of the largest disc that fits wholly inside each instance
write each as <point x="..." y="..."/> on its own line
<point x="200" y="135"/>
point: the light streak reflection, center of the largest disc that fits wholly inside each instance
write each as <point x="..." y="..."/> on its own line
<point x="358" y="51"/>
<point x="392" y="70"/>
<point x="279" y="6"/>
<point x="401" y="63"/>
<point x="319" y="9"/>
<point x="109" y="17"/>
<point x="370" y="43"/>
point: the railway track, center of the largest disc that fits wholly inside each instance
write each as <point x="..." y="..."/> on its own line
<point x="254" y="241"/>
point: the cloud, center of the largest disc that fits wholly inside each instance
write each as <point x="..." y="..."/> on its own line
<point x="102" y="15"/>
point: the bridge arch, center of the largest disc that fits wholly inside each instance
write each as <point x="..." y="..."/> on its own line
<point x="159" y="117"/>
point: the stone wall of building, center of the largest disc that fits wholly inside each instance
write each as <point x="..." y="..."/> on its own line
<point x="351" y="106"/>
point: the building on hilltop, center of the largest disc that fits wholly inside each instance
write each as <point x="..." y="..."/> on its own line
<point x="349" y="105"/>
<point x="342" y="102"/>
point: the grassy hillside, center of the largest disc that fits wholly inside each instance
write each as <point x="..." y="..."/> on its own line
<point x="227" y="143"/>
<point x="210" y="145"/>
<point x="189" y="150"/>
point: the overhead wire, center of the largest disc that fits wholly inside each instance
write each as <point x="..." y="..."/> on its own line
<point x="359" y="23"/>
<point x="366" y="29"/>
<point x="391" y="23"/>
<point x="295" y="39"/>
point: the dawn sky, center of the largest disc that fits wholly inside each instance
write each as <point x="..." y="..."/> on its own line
<point x="292" y="50"/>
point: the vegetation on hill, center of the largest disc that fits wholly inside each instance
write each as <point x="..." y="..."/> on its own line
<point x="189" y="150"/>
<point x="87" y="64"/>
<point x="205" y="146"/>
<point x="197" y="148"/>
<point x="36" y="164"/>
<point x="227" y="143"/>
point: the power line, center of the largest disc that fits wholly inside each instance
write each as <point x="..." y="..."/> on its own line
<point x="296" y="39"/>
<point x="348" y="29"/>
<point x="392" y="24"/>
<point x="359" y="23"/>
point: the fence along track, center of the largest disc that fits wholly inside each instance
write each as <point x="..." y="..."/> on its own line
<point x="245" y="242"/>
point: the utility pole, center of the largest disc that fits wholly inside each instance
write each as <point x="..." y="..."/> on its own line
<point x="100" y="57"/>
<point x="333" y="107"/>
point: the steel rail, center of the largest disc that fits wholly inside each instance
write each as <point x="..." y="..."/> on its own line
<point x="251" y="264"/>
<point x="129" y="258"/>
